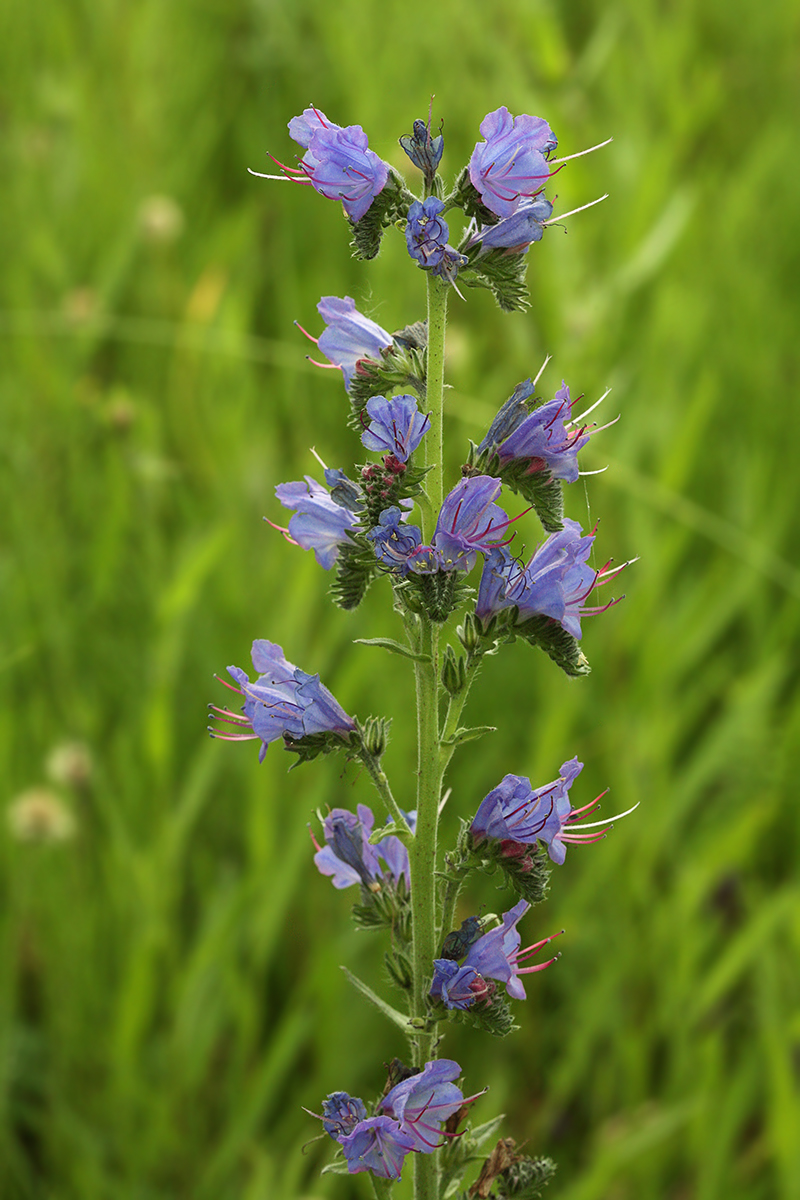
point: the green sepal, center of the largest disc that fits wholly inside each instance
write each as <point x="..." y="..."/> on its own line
<point x="401" y="366"/>
<point x="356" y="567"/>
<point x="391" y="204"/>
<point x="436" y="595"/>
<point x="398" y="966"/>
<point x="552" y="637"/>
<point x="502" y="271"/>
<point x="373" y="735"/>
<point x="393" y="647"/>
<point x="393" y="830"/>
<point x="528" y="874"/>
<point x="525" y="1179"/>
<point x="454" y="671"/>
<point x="494" y="1018"/>
<point x="385" y="904"/>
<point x="313" y="744"/>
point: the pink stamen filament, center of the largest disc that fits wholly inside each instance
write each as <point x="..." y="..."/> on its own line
<point x="307" y="334"/>
<point x="325" y="366"/>
<point x="577" y="838"/>
<point x="575" y="815"/>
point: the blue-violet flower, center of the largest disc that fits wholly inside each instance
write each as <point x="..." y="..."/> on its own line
<point x="377" y="1144"/>
<point x="424" y="151"/>
<point x="543" y="437"/>
<point x="348" y="857"/>
<point x="423" y="1102"/>
<point x="319" y="523"/>
<point x="283" y="702"/>
<point x="516" y="815"/>
<point x="396" y="426"/>
<point x="348" y="336"/>
<point x="517" y="232"/>
<point x="427" y="231"/>
<point x="338" y="162"/>
<point x="496" y="954"/>
<point x="395" y="542"/>
<point x="510" y="164"/>
<point x="469" y="521"/>
<point x="341" y="1113"/>
<point x="555" y="583"/>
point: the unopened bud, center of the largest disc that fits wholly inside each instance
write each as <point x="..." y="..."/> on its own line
<point x="453" y="671"/>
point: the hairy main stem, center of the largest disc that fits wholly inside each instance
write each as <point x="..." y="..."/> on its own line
<point x="422" y="853"/>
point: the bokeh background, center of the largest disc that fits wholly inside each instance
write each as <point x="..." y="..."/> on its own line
<point x="171" y="992"/>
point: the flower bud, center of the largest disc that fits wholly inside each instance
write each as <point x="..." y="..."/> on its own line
<point x="424" y="151"/>
<point x="453" y="672"/>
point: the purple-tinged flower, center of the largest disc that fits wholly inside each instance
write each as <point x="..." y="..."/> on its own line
<point x="449" y="266"/>
<point x="555" y="583"/>
<point x="395" y="542"/>
<point x="394" y="853"/>
<point x="319" y="523"/>
<point x="378" y="1145"/>
<point x="424" y="151"/>
<point x="517" y="232"/>
<point x="510" y="164"/>
<point x="348" y="857"/>
<point x="455" y="986"/>
<point x="396" y="426"/>
<point x="514" y="812"/>
<point x="543" y="437"/>
<point x="515" y="815"/>
<point x="510" y="415"/>
<point x="496" y="955"/>
<point x="310" y="121"/>
<point x="423" y="1102"/>
<point x="283" y="702"/>
<point x="469" y="521"/>
<point x="337" y="162"/>
<point x="348" y="336"/>
<point x="427" y="231"/>
<point x="341" y="1113"/>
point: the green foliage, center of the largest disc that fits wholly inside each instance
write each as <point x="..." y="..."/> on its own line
<point x="170" y="996"/>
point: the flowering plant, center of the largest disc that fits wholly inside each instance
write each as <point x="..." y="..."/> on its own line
<point x="399" y="523"/>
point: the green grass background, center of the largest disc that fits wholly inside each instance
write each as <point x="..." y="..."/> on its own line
<point x="170" y="991"/>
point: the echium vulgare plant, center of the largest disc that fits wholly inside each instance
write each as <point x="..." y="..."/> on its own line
<point x="444" y="552"/>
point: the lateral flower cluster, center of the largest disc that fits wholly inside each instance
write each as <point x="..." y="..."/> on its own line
<point x="411" y="1117"/>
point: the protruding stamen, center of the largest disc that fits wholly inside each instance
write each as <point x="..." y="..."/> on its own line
<point x="608" y="820"/>
<point x="307" y="334"/>
<point x="580" y="153"/>
<point x="585" y="412"/>
<point x="573" y="211"/>
<point x="541" y="369"/>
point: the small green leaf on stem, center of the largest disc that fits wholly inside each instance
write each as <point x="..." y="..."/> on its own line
<point x="390" y="1013"/>
<point x="393" y="647"/>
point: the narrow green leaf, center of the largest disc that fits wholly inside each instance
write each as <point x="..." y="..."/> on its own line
<point x="393" y="830"/>
<point x="390" y="1013"/>
<point x="465" y="734"/>
<point x="393" y="647"/>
